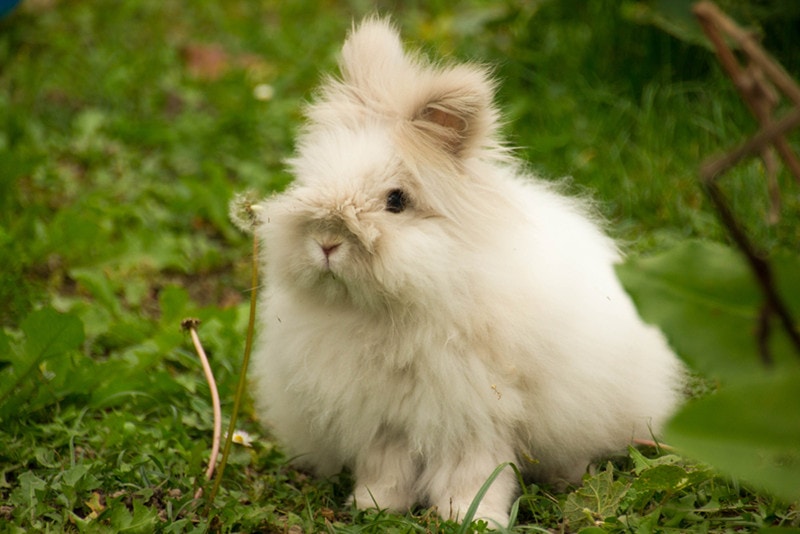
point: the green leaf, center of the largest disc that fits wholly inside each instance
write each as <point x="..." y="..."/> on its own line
<point x="642" y="463"/>
<point x="748" y="430"/>
<point x="74" y="474"/>
<point x="662" y="478"/>
<point x="47" y="334"/>
<point x="598" y="498"/>
<point x="704" y="298"/>
<point x="120" y="517"/>
<point x="28" y="490"/>
<point x="144" y="519"/>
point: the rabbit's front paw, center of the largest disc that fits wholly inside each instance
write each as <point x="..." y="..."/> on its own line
<point x="385" y="474"/>
<point x="495" y="516"/>
<point x="382" y="497"/>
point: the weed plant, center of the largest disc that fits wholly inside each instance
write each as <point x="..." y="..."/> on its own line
<point x="125" y="129"/>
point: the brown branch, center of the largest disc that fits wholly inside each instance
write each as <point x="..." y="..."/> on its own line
<point x="713" y="168"/>
<point x="751" y="81"/>
<point x="708" y="13"/>
<point x="760" y="267"/>
<point x="761" y="99"/>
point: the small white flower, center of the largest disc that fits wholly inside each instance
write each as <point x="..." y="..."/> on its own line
<point x="263" y="92"/>
<point x="242" y="438"/>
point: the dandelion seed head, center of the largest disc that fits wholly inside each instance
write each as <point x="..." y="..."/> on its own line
<point x="243" y="211"/>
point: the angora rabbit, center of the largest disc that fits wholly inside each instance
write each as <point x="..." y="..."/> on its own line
<point x="430" y="310"/>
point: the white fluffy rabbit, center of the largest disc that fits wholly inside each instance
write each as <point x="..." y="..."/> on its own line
<point x="432" y="311"/>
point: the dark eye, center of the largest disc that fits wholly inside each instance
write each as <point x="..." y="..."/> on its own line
<point x="396" y="201"/>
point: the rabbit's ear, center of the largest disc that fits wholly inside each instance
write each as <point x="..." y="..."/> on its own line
<point x="372" y="56"/>
<point x="458" y="113"/>
<point x="449" y="109"/>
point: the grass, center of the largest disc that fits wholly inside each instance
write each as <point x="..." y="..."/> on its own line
<point x="127" y="127"/>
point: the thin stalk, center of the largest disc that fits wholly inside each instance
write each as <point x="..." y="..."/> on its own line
<point x="191" y="324"/>
<point x="242" y="378"/>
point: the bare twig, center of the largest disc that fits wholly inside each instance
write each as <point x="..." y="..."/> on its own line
<point x="712" y="168"/>
<point x="753" y="85"/>
<point x="191" y="326"/>
<point x="708" y="12"/>
<point x="752" y="81"/>
<point x="761" y="269"/>
<point x="653" y="443"/>
<point x="761" y="99"/>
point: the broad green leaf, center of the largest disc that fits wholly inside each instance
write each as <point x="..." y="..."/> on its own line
<point x="704" y="298"/>
<point x="662" y="478"/>
<point x="28" y="490"/>
<point x="598" y="498"/>
<point x="144" y="519"/>
<point x="120" y="517"/>
<point x="748" y="430"/>
<point x="74" y="474"/>
<point x="642" y="463"/>
<point x="49" y="333"/>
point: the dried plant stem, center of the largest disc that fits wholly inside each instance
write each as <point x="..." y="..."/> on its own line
<point x="711" y="169"/>
<point x="762" y="270"/>
<point x="652" y="443"/>
<point x="761" y="99"/>
<point x="191" y="325"/>
<point x="709" y="13"/>
<point x="751" y="82"/>
<point x="242" y="377"/>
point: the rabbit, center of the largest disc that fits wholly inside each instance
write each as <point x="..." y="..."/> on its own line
<point x="431" y="310"/>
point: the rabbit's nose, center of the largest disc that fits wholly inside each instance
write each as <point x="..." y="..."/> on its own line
<point x="329" y="248"/>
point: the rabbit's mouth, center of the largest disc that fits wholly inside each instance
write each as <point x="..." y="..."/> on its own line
<point x="331" y="252"/>
<point x="331" y="256"/>
<point x="340" y="270"/>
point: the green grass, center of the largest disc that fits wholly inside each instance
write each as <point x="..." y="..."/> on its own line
<point x="117" y="162"/>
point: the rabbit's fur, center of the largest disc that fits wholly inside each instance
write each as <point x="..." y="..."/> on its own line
<point x="432" y="311"/>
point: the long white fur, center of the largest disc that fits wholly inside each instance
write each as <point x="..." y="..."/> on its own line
<point x="481" y="325"/>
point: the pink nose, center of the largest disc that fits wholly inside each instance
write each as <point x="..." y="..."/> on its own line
<point x="328" y="249"/>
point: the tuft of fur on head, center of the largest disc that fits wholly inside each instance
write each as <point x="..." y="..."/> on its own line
<point x="437" y="107"/>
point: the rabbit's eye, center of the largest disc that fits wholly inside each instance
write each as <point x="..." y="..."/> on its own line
<point x="396" y="201"/>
